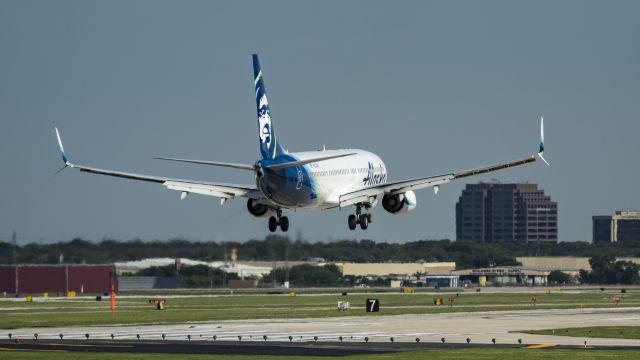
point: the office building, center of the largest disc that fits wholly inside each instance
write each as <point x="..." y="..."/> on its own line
<point x="621" y="226"/>
<point x="492" y="212"/>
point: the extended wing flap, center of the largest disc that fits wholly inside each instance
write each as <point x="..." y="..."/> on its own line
<point x="217" y="190"/>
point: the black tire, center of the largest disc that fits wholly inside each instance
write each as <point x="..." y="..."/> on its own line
<point x="369" y="218"/>
<point x="364" y="222"/>
<point x="284" y="223"/>
<point x="273" y="224"/>
<point x="352" y="222"/>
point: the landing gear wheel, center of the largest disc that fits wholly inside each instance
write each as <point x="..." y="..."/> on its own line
<point x="273" y="224"/>
<point x="352" y="222"/>
<point x="284" y="223"/>
<point x="369" y="218"/>
<point x="364" y="222"/>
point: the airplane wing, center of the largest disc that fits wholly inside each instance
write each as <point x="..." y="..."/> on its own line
<point x="368" y="195"/>
<point x="222" y="190"/>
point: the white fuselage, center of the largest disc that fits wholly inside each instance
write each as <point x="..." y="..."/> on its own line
<point x="340" y="176"/>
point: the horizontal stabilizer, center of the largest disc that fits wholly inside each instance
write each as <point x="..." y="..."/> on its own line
<point x="304" y="162"/>
<point x="212" y="163"/>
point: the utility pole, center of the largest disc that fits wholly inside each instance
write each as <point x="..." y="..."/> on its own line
<point x="225" y="268"/>
<point x="286" y="264"/>
<point x="14" y="241"/>
<point x="273" y="256"/>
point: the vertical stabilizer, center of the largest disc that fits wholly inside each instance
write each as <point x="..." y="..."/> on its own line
<point x="269" y="146"/>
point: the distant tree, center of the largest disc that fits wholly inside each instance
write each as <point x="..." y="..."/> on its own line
<point x="167" y="270"/>
<point x="466" y="254"/>
<point x="306" y="275"/>
<point x="558" y="277"/>
<point x="606" y="270"/>
<point x="602" y="269"/>
<point x="585" y="276"/>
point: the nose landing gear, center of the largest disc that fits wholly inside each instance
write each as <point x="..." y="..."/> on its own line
<point x="359" y="218"/>
<point x="280" y="220"/>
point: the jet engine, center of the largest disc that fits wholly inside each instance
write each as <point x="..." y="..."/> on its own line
<point x="399" y="203"/>
<point x="259" y="210"/>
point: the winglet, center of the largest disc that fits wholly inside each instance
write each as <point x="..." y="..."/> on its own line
<point x="62" y="154"/>
<point x="541" y="149"/>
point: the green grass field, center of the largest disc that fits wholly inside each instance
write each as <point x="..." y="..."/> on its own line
<point x="620" y="332"/>
<point x="473" y="354"/>
<point x="130" y="310"/>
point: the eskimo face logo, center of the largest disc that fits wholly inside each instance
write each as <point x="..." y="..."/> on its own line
<point x="264" y="121"/>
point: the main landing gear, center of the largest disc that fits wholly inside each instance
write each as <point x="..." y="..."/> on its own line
<point x="280" y="220"/>
<point x="359" y="218"/>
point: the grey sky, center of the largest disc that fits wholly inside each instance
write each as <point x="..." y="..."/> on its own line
<point x="429" y="86"/>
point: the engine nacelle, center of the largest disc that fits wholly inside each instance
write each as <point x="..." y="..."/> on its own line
<point x="259" y="210"/>
<point x="399" y="203"/>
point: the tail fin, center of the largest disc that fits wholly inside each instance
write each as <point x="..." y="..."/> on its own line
<point x="269" y="147"/>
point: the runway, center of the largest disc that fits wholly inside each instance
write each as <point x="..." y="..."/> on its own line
<point x="505" y="327"/>
<point x="330" y="349"/>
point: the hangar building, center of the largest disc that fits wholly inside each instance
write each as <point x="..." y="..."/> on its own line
<point x="32" y="279"/>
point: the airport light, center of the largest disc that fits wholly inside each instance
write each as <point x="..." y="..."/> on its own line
<point x="417" y="339"/>
<point x="35" y="336"/>
<point x="290" y="338"/>
<point x="61" y="336"/>
<point x="391" y="339"/>
<point x="366" y="339"/>
<point x="189" y="337"/>
<point x="519" y="341"/>
<point x="87" y="336"/>
<point x="112" y="336"/>
<point x="138" y="336"/>
<point x="10" y="335"/>
<point x="215" y="337"/>
<point x="163" y="336"/>
<point x="239" y="337"/>
<point x="493" y="340"/>
<point x="264" y="337"/>
<point x="339" y="337"/>
<point x="315" y="338"/>
<point x="468" y="341"/>
<point x="443" y="340"/>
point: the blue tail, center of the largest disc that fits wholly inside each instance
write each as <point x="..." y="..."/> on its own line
<point x="269" y="146"/>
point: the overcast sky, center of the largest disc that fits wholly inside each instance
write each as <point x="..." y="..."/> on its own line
<point x="430" y="87"/>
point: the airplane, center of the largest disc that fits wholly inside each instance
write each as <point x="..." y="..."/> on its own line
<point x="323" y="179"/>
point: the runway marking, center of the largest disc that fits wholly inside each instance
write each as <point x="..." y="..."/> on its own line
<point x="540" y="346"/>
